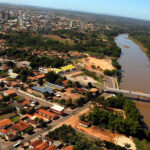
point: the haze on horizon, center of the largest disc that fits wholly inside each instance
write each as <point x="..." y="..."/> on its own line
<point x="139" y="9"/>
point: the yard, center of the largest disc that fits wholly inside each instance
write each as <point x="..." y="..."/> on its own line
<point x="6" y="116"/>
<point x="15" y="118"/>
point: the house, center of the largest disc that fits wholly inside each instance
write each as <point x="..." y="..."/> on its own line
<point x="48" y="114"/>
<point x="70" y="147"/>
<point x="13" y="75"/>
<point x="5" y="122"/>
<point x="57" y="109"/>
<point x="85" y="124"/>
<point x="94" y="90"/>
<point x="31" y="78"/>
<point x="9" y="93"/>
<point x="10" y="133"/>
<point x="21" y="126"/>
<point x="58" y="144"/>
<point x="4" y="80"/>
<point x="41" y="76"/>
<point x="45" y="119"/>
<point x="65" y="82"/>
<point x="35" y="143"/>
<point x="42" y="146"/>
<point x="52" y="147"/>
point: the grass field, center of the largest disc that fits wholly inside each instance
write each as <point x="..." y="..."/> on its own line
<point x="15" y="118"/>
<point x="142" y="144"/>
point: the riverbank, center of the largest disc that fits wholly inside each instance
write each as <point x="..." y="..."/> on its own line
<point x="136" y="72"/>
<point x="140" y="45"/>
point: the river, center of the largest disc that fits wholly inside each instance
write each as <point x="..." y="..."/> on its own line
<point x="136" y="71"/>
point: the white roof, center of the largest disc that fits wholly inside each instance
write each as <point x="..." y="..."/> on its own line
<point x="57" y="108"/>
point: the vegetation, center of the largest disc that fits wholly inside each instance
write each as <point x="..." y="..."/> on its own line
<point x="68" y="136"/>
<point x="130" y="125"/>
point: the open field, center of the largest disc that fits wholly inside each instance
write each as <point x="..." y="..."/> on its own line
<point x="15" y="118"/>
<point x="6" y="116"/>
<point x="100" y="64"/>
<point x="68" y="94"/>
<point x="58" y="38"/>
<point x="85" y="80"/>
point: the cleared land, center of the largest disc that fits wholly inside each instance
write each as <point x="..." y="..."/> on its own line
<point x="58" y="38"/>
<point x="99" y="132"/>
<point x="68" y="94"/>
<point x="101" y="64"/>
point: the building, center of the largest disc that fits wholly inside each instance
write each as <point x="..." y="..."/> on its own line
<point x="85" y="124"/>
<point x="21" y="126"/>
<point x="57" y="109"/>
<point x="48" y="114"/>
<point x="5" y="122"/>
<point x="70" y="147"/>
<point x="9" y="93"/>
<point x="35" y="143"/>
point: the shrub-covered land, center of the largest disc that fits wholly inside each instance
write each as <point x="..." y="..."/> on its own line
<point x="130" y="124"/>
<point x="68" y="136"/>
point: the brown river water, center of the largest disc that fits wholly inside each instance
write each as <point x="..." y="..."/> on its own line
<point x="136" y="72"/>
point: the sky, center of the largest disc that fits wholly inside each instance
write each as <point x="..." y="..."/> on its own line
<point x="128" y="8"/>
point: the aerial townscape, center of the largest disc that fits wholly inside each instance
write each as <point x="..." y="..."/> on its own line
<point x="61" y="81"/>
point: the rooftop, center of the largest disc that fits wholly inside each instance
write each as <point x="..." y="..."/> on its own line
<point x="57" y="108"/>
<point x="5" y="122"/>
<point x="21" y="125"/>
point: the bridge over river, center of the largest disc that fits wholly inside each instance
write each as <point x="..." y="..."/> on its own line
<point x="114" y="90"/>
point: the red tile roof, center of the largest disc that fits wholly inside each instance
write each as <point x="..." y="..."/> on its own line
<point x="40" y="117"/>
<point x="36" y="143"/>
<point x="5" y="122"/>
<point x="70" y="147"/>
<point x="9" y="92"/>
<point x="4" y="131"/>
<point x="31" y="78"/>
<point x="40" y="76"/>
<point x="21" y="125"/>
<point x="52" y="147"/>
<point x="48" y="113"/>
<point x="42" y="146"/>
<point x="65" y="82"/>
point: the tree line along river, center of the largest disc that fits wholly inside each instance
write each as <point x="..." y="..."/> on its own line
<point x="136" y="72"/>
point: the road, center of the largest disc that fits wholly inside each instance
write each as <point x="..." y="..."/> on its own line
<point x="52" y="126"/>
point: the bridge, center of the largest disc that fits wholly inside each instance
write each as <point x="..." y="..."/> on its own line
<point x="114" y="90"/>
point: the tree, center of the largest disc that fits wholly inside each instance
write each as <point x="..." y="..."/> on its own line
<point x="69" y="102"/>
<point x="90" y="85"/>
<point x="40" y="82"/>
<point x="77" y="84"/>
<point x="10" y="64"/>
<point x="22" y="111"/>
<point x="29" y="130"/>
<point x="88" y="96"/>
<point x="2" y="84"/>
<point x="51" y="77"/>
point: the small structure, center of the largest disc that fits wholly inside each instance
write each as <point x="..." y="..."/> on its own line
<point x="57" y="109"/>
<point x="21" y="126"/>
<point x="9" y="93"/>
<point x="5" y="122"/>
<point x="85" y="124"/>
<point x="48" y="114"/>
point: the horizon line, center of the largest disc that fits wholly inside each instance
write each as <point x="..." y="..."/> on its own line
<point x="72" y="10"/>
